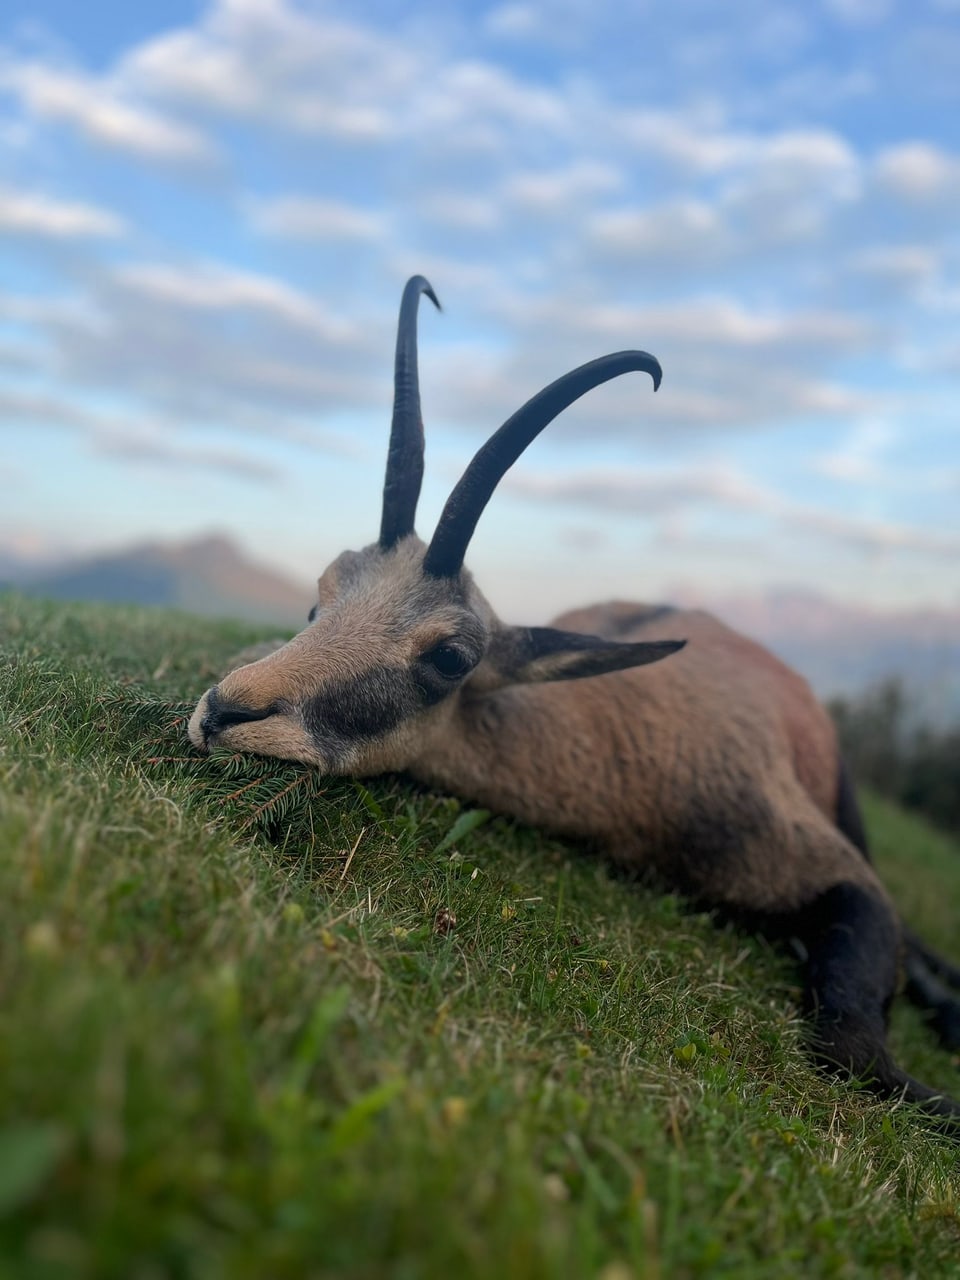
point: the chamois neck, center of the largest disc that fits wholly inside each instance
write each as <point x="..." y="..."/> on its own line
<point x="525" y="751"/>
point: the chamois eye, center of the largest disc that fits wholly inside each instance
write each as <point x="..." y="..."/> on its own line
<point x="448" y="661"/>
<point x="311" y="616"/>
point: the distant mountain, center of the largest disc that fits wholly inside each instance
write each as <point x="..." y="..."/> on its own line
<point x="208" y="576"/>
<point x="843" y="649"/>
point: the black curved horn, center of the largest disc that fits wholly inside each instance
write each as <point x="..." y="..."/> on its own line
<point x="465" y="505"/>
<point x="401" y="486"/>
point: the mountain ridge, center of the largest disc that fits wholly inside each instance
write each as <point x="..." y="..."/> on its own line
<point x="208" y="575"/>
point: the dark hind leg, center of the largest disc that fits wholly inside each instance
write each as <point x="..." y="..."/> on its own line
<point x="943" y="969"/>
<point x="851" y="938"/>
<point x="929" y="979"/>
<point x="926" y="971"/>
<point x="925" y="989"/>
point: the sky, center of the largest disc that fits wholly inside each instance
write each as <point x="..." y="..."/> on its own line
<point x="208" y="212"/>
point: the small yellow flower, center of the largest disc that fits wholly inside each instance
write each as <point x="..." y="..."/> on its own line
<point x="454" y="1112"/>
<point x="42" y="939"/>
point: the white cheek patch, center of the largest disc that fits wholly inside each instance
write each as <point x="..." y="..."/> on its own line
<point x="194" y="728"/>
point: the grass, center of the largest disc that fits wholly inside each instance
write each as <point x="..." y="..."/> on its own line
<point x="258" y="1025"/>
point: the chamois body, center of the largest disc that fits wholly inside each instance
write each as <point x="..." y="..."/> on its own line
<point x="718" y="770"/>
<point x="662" y="736"/>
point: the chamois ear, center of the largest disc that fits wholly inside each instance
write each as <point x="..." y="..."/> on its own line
<point x="527" y="655"/>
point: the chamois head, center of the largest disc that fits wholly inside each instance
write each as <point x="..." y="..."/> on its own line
<point x="400" y="632"/>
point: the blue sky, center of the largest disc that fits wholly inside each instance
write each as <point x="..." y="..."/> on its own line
<point x="208" y="211"/>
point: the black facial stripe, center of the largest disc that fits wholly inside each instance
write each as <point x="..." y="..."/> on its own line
<point x="365" y="707"/>
<point x="369" y="706"/>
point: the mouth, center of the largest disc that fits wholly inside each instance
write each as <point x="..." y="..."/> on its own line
<point x="274" y="731"/>
<point x="214" y="716"/>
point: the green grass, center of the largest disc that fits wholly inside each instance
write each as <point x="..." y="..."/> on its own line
<point x="256" y="1025"/>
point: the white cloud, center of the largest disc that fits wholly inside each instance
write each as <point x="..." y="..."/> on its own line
<point x="41" y="408"/>
<point x="557" y="189"/>
<point x="788" y="186"/>
<point x="644" y="492"/>
<point x="155" y="448"/>
<point x="316" y="113"/>
<point x="918" y="170"/>
<point x="207" y="345"/>
<point x="692" y="143"/>
<point x="100" y="113"/>
<point x="863" y="459"/>
<point x="810" y="150"/>
<point x="120" y="436"/>
<point x="191" y="68"/>
<point x="513" y="21"/>
<point x="463" y="212"/>
<point x="468" y="89"/>
<point x="873" y="536"/>
<point x="858" y="460"/>
<point x="212" y="287"/>
<point x="310" y="218"/>
<point x="689" y="231"/>
<point x="740" y="396"/>
<point x="40" y="215"/>
<point x="860" y="13"/>
<point x="270" y="61"/>
<point x="765" y="187"/>
<point x="18" y="356"/>
<point x="560" y="192"/>
<point x="703" y="145"/>
<point x="647" y="493"/>
<point x="343" y="79"/>
<point x="824" y="84"/>
<point x="904" y="265"/>
<point x="726" y="365"/>
<point x="722" y="322"/>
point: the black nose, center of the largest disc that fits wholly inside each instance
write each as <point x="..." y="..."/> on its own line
<point x="220" y="715"/>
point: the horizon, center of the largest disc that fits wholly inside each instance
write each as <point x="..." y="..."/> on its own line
<point x="18" y="568"/>
<point x="208" y="213"/>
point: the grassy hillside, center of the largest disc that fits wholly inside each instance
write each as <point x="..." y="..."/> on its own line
<point x="254" y="1025"/>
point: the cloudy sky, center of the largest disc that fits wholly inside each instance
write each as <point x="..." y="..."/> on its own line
<point x="208" y="212"/>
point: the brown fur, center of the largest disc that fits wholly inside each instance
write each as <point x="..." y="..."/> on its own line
<point x="716" y="769"/>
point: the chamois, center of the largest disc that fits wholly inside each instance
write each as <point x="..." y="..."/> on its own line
<point x="719" y="772"/>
